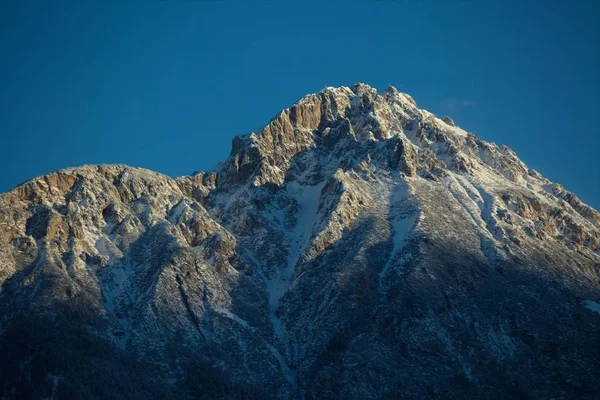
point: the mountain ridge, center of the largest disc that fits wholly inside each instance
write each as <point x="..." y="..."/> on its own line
<point x="356" y="246"/>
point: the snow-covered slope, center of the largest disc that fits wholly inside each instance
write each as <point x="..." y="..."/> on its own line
<point x="355" y="247"/>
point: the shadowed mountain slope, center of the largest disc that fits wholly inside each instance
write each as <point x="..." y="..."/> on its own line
<point x="356" y="247"/>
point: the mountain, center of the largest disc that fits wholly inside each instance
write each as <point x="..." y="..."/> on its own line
<point x="356" y="247"/>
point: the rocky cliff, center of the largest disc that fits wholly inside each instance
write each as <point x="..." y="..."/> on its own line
<point x="356" y="247"/>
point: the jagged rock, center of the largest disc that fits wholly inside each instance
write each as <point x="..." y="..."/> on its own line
<point x="449" y="121"/>
<point x="356" y="247"/>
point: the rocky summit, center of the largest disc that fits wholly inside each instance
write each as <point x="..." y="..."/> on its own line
<point x="356" y="247"/>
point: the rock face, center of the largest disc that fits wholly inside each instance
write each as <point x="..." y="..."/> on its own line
<point x="356" y="247"/>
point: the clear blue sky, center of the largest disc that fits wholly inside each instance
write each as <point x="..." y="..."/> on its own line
<point x="166" y="85"/>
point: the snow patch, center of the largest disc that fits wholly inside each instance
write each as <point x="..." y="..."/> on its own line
<point x="592" y="306"/>
<point x="400" y="228"/>
<point x="102" y="248"/>
<point x="307" y="198"/>
<point x="232" y="316"/>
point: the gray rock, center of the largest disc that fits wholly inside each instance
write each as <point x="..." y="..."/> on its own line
<point x="449" y="121"/>
<point x="356" y="247"/>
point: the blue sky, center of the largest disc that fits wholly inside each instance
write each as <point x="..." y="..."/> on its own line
<point x="166" y="85"/>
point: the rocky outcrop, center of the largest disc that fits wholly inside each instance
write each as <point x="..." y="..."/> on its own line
<point x="355" y="247"/>
<point x="448" y="120"/>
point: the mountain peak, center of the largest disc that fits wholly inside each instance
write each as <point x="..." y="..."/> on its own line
<point x="353" y="234"/>
<point x="342" y="121"/>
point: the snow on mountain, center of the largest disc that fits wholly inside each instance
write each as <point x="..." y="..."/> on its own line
<point x="355" y="247"/>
